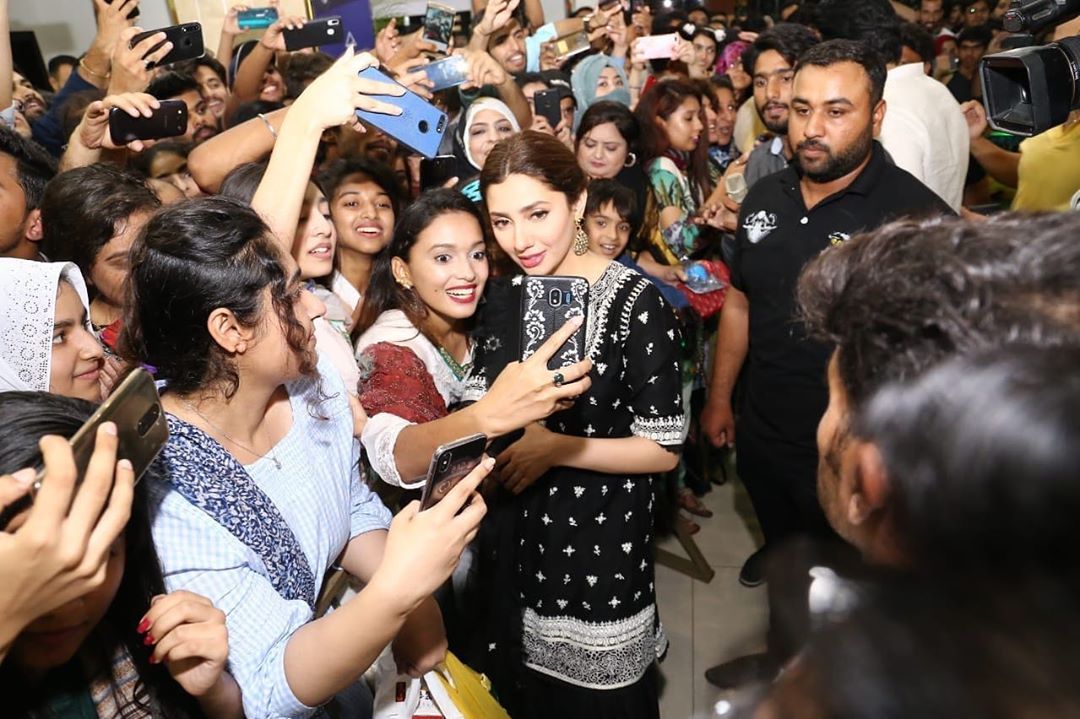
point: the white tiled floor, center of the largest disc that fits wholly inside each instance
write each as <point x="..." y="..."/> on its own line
<point x="710" y="623"/>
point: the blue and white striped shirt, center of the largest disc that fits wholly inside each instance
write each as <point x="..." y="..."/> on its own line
<point x="319" y="494"/>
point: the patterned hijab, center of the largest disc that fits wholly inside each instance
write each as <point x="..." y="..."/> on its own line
<point x="28" y="292"/>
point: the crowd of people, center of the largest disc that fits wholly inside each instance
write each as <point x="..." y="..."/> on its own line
<point x="808" y="260"/>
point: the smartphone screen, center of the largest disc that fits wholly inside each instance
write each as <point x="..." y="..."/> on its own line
<point x="439" y="25"/>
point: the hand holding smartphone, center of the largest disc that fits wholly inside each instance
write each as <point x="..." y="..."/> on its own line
<point x="186" y="39"/>
<point x="321" y="31"/>
<point x="420" y="126"/>
<point x="546" y="104"/>
<point x="141" y="430"/>
<point x="449" y="465"/>
<point x="448" y="72"/>
<point x="547" y="303"/>
<point x="656" y="47"/>
<point x="170" y="119"/>
<point x="439" y="25"/>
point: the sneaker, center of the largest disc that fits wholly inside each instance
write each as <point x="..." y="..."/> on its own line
<point x="741" y="671"/>
<point x="752" y="573"/>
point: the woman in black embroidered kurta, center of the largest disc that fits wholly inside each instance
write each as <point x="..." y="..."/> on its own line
<point x="583" y="573"/>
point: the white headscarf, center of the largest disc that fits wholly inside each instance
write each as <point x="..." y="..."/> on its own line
<point x="485" y="103"/>
<point x="28" y="293"/>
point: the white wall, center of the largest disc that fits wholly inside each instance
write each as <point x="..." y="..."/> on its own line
<point x="67" y="26"/>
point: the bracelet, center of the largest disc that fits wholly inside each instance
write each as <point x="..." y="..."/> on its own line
<point x="269" y="125"/>
<point x="84" y="66"/>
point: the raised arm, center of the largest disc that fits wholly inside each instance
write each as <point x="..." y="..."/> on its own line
<point x="331" y="100"/>
<point x="211" y="161"/>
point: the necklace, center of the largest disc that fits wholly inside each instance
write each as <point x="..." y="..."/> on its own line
<point x="274" y="459"/>
<point x="459" y="371"/>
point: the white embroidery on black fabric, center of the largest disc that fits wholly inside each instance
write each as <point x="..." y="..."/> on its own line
<point x="595" y="655"/>
<point x="759" y="225"/>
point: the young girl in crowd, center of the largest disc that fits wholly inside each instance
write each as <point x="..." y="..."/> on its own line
<point x="676" y="151"/>
<point x="46" y="342"/>
<point x="261" y="492"/>
<point x="124" y="648"/>
<point x="579" y="565"/>
<point x="486" y="122"/>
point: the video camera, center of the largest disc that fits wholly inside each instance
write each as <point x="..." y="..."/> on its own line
<point x="1031" y="89"/>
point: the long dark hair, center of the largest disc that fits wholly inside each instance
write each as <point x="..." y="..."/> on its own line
<point x="190" y="259"/>
<point x="605" y="111"/>
<point x="660" y="101"/>
<point x="25" y="417"/>
<point x="541" y="157"/>
<point x="384" y="293"/>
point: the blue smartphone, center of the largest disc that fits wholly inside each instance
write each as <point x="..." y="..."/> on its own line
<point x="448" y="72"/>
<point x="258" y="18"/>
<point x="420" y="126"/>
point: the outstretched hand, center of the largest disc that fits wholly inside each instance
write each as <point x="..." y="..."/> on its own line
<point x="94" y="131"/>
<point x="335" y="96"/>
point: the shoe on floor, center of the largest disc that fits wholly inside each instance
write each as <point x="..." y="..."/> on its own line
<point x="692" y="503"/>
<point x="740" y="671"/>
<point x="752" y="573"/>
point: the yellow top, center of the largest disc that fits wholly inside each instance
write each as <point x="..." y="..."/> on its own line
<point x="1049" y="172"/>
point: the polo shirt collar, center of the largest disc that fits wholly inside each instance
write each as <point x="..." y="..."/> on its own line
<point x="864" y="184"/>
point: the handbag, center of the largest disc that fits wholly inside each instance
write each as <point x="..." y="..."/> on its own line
<point x="454" y="690"/>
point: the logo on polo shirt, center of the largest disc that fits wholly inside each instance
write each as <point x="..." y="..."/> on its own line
<point x="759" y="225"/>
<point x="838" y="238"/>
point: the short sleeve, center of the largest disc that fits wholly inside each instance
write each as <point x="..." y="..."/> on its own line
<point x="736" y="255"/>
<point x="652" y="369"/>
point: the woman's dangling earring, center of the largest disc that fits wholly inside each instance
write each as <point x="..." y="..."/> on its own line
<point x="581" y="240"/>
<point x="631" y="159"/>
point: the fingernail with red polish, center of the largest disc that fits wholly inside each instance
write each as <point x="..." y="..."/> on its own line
<point x="149" y="640"/>
<point x="153" y="659"/>
<point x="143" y="626"/>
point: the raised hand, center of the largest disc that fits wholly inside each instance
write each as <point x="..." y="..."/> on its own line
<point x="483" y="69"/>
<point x="496" y="15"/>
<point x="274" y="38"/>
<point x="130" y="65"/>
<point x="975" y="115"/>
<point x="410" y="47"/>
<point x="189" y="637"/>
<point x="335" y="96"/>
<point x="423" y="547"/>
<point x="525" y="392"/>
<point x="112" y="20"/>
<point x="94" y="128"/>
<point x="387" y="42"/>
<point x="57" y="550"/>
<point x="231" y="25"/>
<point x="411" y="76"/>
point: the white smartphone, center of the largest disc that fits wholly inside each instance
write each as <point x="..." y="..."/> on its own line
<point x="656" y="47"/>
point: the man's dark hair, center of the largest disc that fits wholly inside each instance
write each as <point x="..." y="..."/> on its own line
<point x="980" y="34"/>
<point x="915" y="36"/>
<point x="788" y="39"/>
<point x="873" y="22"/>
<point x="189" y="67"/>
<point x="172" y="84"/>
<point x="832" y="52"/>
<point x="900" y="299"/>
<point x="621" y="197"/>
<point x="381" y="175"/>
<point x="73" y="108"/>
<point x="34" y="166"/>
<point x="302" y="68"/>
<point x="82" y="208"/>
<point x="971" y="3"/>
<point x="59" y="61"/>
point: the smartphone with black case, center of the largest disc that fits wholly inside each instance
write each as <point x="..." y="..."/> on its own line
<point x="321" y="31"/>
<point x="187" y="43"/>
<point x="135" y="408"/>
<point x="169" y="120"/>
<point x="449" y="465"/>
<point x="546" y="103"/>
<point x="434" y="172"/>
<point x="448" y="72"/>
<point x="439" y="25"/>
<point x="420" y="126"/>
<point x="258" y="18"/>
<point x="548" y="303"/>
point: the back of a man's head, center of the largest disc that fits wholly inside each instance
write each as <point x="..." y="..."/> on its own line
<point x="901" y="299"/>
<point x="873" y="22"/>
<point x="788" y="39"/>
<point x="171" y="85"/>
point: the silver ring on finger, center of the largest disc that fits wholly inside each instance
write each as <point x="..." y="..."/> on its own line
<point x="148" y="64"/>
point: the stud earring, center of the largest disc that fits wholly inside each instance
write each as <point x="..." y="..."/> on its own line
<point x="631" y="160"/>
<point x="581" y="240"/>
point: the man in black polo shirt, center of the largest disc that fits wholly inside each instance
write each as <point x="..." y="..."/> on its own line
<point x="840" y="183"/>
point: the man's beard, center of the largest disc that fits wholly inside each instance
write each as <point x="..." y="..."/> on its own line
<point x="776" y="128"/>
<point x="836" y="165"/>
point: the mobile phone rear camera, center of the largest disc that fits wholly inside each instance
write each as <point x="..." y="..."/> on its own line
<point x="148" y="420"/>
<point x="555" y="297"/>
<point x="423" y="125"/>
<point x="444" y="462"/>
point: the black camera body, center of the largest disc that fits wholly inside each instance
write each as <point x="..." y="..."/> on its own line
<point x="1028" y="90"/>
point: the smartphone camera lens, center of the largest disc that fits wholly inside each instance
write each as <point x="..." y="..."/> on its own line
<point x="555" y="297"/>
<point x="148" y="420"/>
<point x="424" y="127"/>
<point x="444" y="462"/>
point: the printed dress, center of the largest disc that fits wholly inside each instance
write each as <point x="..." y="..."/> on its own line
<point x="582" y="560"/>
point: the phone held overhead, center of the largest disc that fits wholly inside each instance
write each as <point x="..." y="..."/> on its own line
<point x="420" y="126"/>
<point x="170" y="119"/>
<point x="186" y="39"/>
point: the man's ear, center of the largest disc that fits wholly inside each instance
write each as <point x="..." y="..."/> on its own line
<point x="871" y="491"/>
<point x="878" y="117"/>
<point x="34" y="231"/>
<point x="227" y="331"/>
